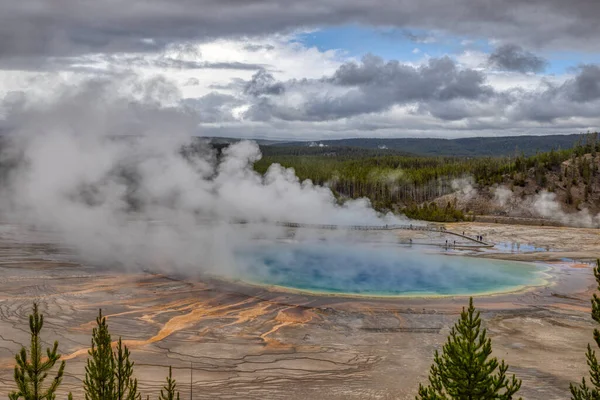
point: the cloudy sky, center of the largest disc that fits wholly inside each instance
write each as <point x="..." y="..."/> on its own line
<point x="319" y="69"/>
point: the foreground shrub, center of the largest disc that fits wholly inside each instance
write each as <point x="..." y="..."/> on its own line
<point x="465" y="369"/>
<point x="31" y="371"/>
<point x="583" y="391"/>
<point x="108" y="374"/>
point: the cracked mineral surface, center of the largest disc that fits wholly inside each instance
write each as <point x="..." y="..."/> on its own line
<point x="234" y="341"/>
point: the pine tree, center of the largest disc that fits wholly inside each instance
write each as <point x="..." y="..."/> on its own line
<point x="31" y="373"/>
<point x="125" y="384"/>
<point x="465" y="370"/>
<point x="583" y="391"/>
<point x="169" y="390"/>
<point x="99" y="383"/>
<point x="109" y="375"/>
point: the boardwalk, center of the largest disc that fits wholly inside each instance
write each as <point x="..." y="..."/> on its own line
<point x="410" y="227"/>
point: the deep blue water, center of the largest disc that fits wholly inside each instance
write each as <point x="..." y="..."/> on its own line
<point x="379" y="270"/>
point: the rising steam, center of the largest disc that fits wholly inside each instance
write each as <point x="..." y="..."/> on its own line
<point x="543" y="205"/>
<point x="106" y="171"/>
<point x="547" y="206"/>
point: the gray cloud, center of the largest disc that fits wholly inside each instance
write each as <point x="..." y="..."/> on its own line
<point x="192" y="82"/>
<point x="258" y="47"/>
<point x="87" y="64"/>
<point x="440" y="79"/>
<point x="439" y="93"/>
<point x="167" y="62"/>
<point x="93" y="105"/>
<point x="367" y="87"/>
<point x="214" y="107"/>
<point x="577" y="97"/>
<point x="586" y="85"/>
<point x="263" y="83"/>
<point x="459" y="109"/>
<point x="183" y="64"/>
<point x="39" y="27"/>
<point x="236" y="84"/>
<point x="404" y="33"/>
<point x="511" y="57"/>
<point x="417" y="38"/>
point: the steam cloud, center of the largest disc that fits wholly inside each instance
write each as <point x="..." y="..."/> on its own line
<point x="545" y="205"/>
<point x="107" y="173"/>
<point x="463" y="187"/>
<point x="502" y="196"/>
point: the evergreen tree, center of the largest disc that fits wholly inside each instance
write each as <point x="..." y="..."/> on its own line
<point x="125" y="384"/>
<point x="31" y="373"/>
<point x="583" y="391"/>
<point x="109" y="375"/>
<point x="99" y="382"/>
<point x="169" y="392"/>
<point x="465" y="370"/>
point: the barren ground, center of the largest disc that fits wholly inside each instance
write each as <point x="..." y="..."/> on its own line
<point x="242" y="342"/>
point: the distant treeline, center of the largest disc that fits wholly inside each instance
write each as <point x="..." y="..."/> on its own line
<point x="329" y="151"/>
<point x="464" y="147"/>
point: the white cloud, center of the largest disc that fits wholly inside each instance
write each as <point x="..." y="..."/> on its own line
<point x="284" y="57"/>
<point x="472" y="59"/>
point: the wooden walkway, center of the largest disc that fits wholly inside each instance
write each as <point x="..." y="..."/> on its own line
<point x="409" y="227"/>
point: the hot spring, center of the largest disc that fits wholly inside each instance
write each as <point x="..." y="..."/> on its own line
<point x="378" y="270"/>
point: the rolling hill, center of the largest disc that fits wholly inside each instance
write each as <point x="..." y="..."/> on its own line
<point x="464" y="147"/>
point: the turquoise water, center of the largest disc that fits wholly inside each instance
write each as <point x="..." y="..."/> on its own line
<point x="380" y="270"/>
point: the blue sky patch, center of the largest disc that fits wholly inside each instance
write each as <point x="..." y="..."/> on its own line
<point x="411" y="45"/>
<point x="390" y="43"/>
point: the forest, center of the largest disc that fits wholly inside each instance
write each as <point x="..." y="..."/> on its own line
<point x="406" y="183"/>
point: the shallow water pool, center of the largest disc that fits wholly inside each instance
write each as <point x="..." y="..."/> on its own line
<point x="377" y="270"/>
